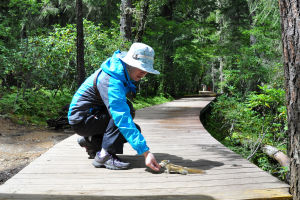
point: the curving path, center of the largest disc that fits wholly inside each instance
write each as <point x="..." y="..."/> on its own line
<point x="173" y="131"/>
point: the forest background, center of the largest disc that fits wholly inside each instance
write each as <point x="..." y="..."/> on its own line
<point x="231" y="46"/>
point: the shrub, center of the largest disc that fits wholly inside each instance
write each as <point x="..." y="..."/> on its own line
<point x="248" y="124"/>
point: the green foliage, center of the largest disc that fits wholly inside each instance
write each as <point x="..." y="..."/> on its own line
<point x="37" y="107"/>
<point x="257" y="64"/>
<point x="33" y="107"/>
<point x="49" y="61"/>
<point x="182" y="42"/>
<point x="193" y="59"/>
<point x="142" y="102"/>
<point x="248" y="125"/>
<point x="251" y="115"/>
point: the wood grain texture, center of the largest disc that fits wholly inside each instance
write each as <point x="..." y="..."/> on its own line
<point x="174" y="132"/>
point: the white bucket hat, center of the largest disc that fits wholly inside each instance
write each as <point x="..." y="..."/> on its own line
<point x="140" y="56"/>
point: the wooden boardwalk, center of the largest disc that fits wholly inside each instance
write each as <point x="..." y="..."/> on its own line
<point x="173" y="131"/>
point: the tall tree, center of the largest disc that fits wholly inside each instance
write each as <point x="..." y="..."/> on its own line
<point x="167" y="11"/>
<point x="126" y="20"/>
<point x="222" y="24"/>
<point x="80" y="44"/>
<point x="290" y="28"/>
<point x="141" y="27"/>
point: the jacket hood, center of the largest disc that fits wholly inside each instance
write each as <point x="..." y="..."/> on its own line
<point x="115" y="67"/>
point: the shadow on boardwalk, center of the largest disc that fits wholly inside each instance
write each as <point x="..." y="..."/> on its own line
<point x="138" y="161"/>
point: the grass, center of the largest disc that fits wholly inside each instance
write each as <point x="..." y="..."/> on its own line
<point x="142" y="102"/>
<point x="34" y="108"/>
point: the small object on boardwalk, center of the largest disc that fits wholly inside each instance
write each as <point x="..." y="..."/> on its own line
<point x="169" y="167"/>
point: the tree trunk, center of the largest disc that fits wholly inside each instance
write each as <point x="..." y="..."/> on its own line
<point x="168" y="49"/>
<point x="141" y="28"/>
<point x="80" y="44"/>
<point x="251" y="4"/>
<point x="221" y="77"/>
<point x="213" y="74"/>
<point x="290" y="27"/>
<point x="126" y="20"/>
<point x="220" y="20"/>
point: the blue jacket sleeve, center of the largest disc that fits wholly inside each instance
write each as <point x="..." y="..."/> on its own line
<point x="120" y="112"/>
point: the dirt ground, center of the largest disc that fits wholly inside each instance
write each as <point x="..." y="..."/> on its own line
<point x="19" y="145"/>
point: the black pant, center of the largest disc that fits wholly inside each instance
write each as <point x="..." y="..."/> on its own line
<point x="104" y="133"/>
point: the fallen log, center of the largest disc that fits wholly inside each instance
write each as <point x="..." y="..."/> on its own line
<point x="278" y="155"/>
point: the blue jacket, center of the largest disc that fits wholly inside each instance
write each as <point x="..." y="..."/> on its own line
<point x="113" y="84"/>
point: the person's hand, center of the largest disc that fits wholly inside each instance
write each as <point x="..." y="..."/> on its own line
<point x="150" y="161"/>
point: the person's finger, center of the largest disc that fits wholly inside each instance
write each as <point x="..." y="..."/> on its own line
<point x="154" y="167"/>
<point x="157" y="165"/>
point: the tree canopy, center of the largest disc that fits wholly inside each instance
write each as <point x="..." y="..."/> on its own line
<point x="225" y="44"/>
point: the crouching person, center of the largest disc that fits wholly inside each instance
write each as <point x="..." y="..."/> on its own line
<point x="101" y="114"/>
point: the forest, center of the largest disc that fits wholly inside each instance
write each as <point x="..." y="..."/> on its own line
<point x="233" y="47"/>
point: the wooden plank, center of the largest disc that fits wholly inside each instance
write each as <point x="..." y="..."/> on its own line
<point x="210" y="180"/>
<point x="188" y="194"/>
<point x="210" y="174"/>
<point x="230" y="192"/>
<point x="173" y="131"/>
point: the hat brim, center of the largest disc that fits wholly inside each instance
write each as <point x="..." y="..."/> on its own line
<point x="137" y="64"/>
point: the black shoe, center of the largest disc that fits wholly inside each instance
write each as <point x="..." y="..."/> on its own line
<point x="90" y="147"/>
<point x="110" y="162"/>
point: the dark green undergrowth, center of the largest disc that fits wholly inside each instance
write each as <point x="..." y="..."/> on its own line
<point x="246" y="124"/>
<point x="35" y="107"/>
<point x="142" y="102"/>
